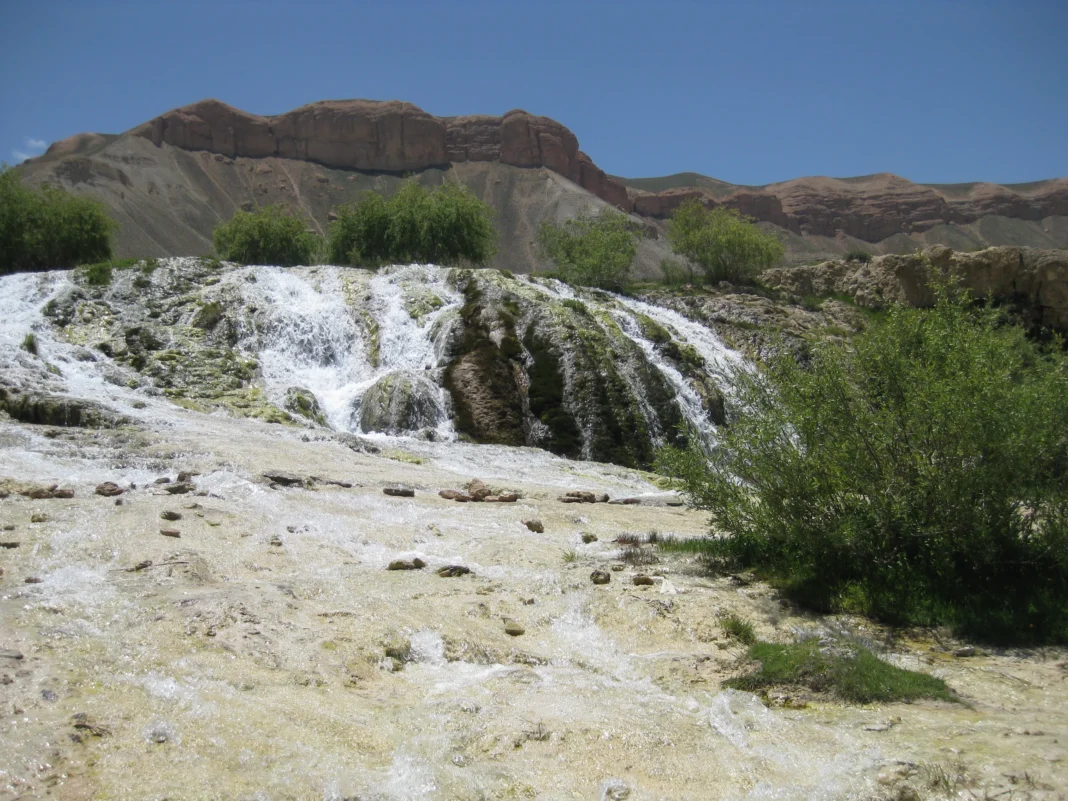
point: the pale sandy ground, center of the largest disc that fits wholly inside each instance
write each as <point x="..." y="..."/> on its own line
<point x="255" y="667"/>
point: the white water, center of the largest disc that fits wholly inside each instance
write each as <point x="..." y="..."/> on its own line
<point x="311" y="339"/>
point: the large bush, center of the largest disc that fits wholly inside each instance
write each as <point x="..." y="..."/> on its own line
<point x="447" y="225"/>
<point x="49" y="228"/>
<point x="919" y="475"/>
<point x="724" y="244"/>
<point x="592" y="250"/>
<point x="269" y="235"/>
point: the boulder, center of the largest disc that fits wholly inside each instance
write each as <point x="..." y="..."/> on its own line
<point x="600" y="577"/>
<point x="54" y="410"/>
<point x="513" y="628"/>
<point x="109" y="489"/>
<point x="399" y="403"/>
<point x="535" y="525"/>
<point x="302" y="402"/>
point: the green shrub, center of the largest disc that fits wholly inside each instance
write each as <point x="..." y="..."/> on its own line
<point x="853" y="673"/>
<point x="29" y="343"/>
<point x="725" y="245"/>
<point x="49" y="228"/>
<point x="919" y="474"/>
<point x="447" y="225"/>
<point x="592" y="250"/>
<point x="858" y="255"/>
<point x="269" y="235"/>
<point x="98" y="274"/>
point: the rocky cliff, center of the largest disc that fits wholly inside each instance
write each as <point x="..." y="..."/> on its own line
<point x="171" y="179"/>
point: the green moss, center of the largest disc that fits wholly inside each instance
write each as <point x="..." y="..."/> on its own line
<point x="546" y="397"/>
<point x="208" y="316"/>
<point x="854" y="674"/>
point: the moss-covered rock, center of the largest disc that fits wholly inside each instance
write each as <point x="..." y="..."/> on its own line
<point x="399" y="404"/>
<point x="302" y="402"/>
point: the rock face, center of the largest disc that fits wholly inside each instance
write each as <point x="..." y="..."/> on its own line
<point x="872" y="208"/>
<point x="1034" y="280"/>
<point x="381" y="135"/>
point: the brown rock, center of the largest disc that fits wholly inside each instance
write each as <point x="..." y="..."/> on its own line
<point x="399" y="492"/>
<point x="170" y="515"/>
<point x="478" y="490"/>
<point x="513" y="628"/>
<point x="178" y="489"/>
<point x="643" y="581"/>
<point x="454" y="495"/>
<point x="9" y="544"/>
<point x="63" y="493"/>
<point x="451" y="571"/>
<point x="600" y="577"/>
<point x="535" y="525"/>
<point x="109" y="489"/>
<point x="406" y="564"/>
<point x="508" y="497"/>
<point x="578" y="496"/>
<point x="170" y="532"/>
<point x="39" y="517"/>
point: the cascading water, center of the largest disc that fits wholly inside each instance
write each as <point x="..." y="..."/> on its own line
<point x="308" y="337"/>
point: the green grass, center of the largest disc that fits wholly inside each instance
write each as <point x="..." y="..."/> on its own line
<point x="698" y="545"/>
<point x="570" y="556"/>
<point x="738" y="628"/>
<point x="29" y="343"/>
<point x="858" y="678"/>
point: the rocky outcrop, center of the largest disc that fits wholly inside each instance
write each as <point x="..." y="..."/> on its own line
<point x="871" y="208"/>
<point x="1035" y="281"/>
<point x="400" y="404"/>
<point x="390" y="136"/>
<point x="43" y="408"/>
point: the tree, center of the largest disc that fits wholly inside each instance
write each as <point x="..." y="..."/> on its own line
<point x="592" y="250"/>
<point x="726" y="245"/>
<point x="47" y="228"/>
<point x="919" y="475"/>
<point x="268" y="235"/>
<point x="447" y="225"/>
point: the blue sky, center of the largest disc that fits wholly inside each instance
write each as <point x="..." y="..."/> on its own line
<point x="747" y="92"/>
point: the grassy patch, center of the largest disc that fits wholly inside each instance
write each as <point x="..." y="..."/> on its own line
<point x="858" y="676"/>
<point x="738" y="628"/>
<point x="403" y="456"/>
<point x="570" y="556"/>
<point x="29" y="343"/>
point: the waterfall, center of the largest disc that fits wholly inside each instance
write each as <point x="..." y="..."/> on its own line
<point x="308" y="336"/>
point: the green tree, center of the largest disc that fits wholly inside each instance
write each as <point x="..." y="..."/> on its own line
<point x="592" y="250"/>
<point x="723" y="243"/>
<point x="49" y="228"/>
<point x="919" y="475"/>
<point x="269" y="235"/>
<point x="447" y="225"/>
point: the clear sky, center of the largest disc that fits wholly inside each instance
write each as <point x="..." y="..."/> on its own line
<point x="749" y="92"/>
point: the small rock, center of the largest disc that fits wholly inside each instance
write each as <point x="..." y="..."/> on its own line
<point x="626" y="502"/>
<point x="33" y="580"/>
<point x="276" y="541"/>
<point x="186" y="475"/>
<point x="9" y="527"/>
<point x="452" y="571"/>
<point x="603" y="498"/>
<point x="399" y="492"/>
<point x="63" y="493"/>
<point x="513" y="628"/>
<point x="39" y="517"/>
<point x="284" y="479"/>
<point x="600" y="577"/>
<point x="7" y="653"/>
<point x="162" y="480"/>
<point x="109" y="489"/>
<point x="10" y="544"/>
<point x="617" y="568"/>
<point x="478" y="490"/>
<point x="643" y="581"/>
<point x="118" y="501"/>
<point x="535" y="525"/>
<point x="454" y="495"/>
<point x="578" y="496"/>
<point x="406" y="564"/>
<point x="169" y="515"/>
<point x="966" y="651"/>
<point x="179" y="489"/>
<point x="49" y="695"/>
<point x="398" y="648"/>
<point x="170" y="532"/>
<point x="587" y="538"/>
<point x="507" y="497"/>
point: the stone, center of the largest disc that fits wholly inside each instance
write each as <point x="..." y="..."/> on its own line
<point x="8" y="653"/>
<point x="286" y="479"/>
<point x="587" y="538"/>
<point x="535" y="525"/>
<point x="398" y="648"/>
<point x="600" y="577"/>
<point x="33" y="580"/>
<point x="9" y="544"/>
<point x="9" y="527"/>
<point x="178" y="489"/>
<point x="406" y="564"/>
<point x="185" y="476"/>
<point x="578" y="496"/>
<point x="508" y="497"/>
<point x="301" y="401"/>
<point x="626" y="502"/>
<point x="966" y="651"/>
<point x="170" y="532"/>
<point x="643" y="581"/>
<point x="63" y="493"/>
<point x="53" y="410"/>
<point x="399" y="404"/>
<point x="513" y="628"/>
<point x="452" y="571"/>
<point x="39" y="517"/>
<point x="399" y="492"/>
<point x="454" y="495"/>
<point x="603" y="498"/>
<point x="162" y="480"/>
<point x="109" y="489"/>
<point x="170" y="515"/>
<point x="478" y="490"/>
